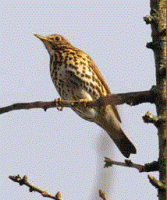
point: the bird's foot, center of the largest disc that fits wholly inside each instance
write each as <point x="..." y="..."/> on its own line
<point x="60" y="108"/>
<point x="83" y="102"/>
<point x="57" y="103"/>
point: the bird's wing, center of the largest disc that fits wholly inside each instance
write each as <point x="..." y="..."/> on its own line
<point x="97" y="71"/>
<point x="116" y="113"/>
<point x="74" y="80"/>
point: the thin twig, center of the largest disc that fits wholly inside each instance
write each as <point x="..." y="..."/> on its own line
<point x="102" y="195"/>
<point x="24" y="181"/>
<point x="156" y="183"/>
<point x="150" y="167"/>
<point x="148" y="19"/>
<point x="132" y="98"/>
<point x="156" y="120"/>
<point x="128" y="163"/>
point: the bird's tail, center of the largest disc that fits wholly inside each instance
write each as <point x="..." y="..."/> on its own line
<point x="110" y="123"/>
<point x="123" y="143"/>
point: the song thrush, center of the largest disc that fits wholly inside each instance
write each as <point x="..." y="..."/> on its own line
<point x="75" y="77"/>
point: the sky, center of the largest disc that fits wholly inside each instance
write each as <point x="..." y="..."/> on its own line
<point x="59" y="151"/>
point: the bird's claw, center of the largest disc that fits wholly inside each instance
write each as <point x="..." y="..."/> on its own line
<point x="83" y="102"/>
<point x="57" y="103"/>
<point x="60" y="108"/>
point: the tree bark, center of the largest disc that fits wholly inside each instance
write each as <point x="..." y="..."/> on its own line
<point x="158" y="45"/>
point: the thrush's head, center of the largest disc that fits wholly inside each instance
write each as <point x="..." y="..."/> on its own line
<point x="54" y="42"/>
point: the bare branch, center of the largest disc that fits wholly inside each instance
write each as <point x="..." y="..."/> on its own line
<point x="152" y="18"/>
<point x="102" y="195"/>
<point x="24" y="181"/>
<point x="156" y="120"/>
<point x="148" y="19"/>
<point x="57" y="196"/>
<point x="150" y="167"/>
<point x="132" y="98"/>
<point x="158" y="45"/>
<point x="156" y="183"/>
<point x="128" y="163"/>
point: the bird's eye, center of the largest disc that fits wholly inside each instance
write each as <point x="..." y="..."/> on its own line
<point x="57" y="38"/>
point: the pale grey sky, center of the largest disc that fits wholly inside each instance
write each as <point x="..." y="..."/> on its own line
<point x="59" y="150"/>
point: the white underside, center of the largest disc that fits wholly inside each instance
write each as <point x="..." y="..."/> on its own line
<point x="86" y="113"/>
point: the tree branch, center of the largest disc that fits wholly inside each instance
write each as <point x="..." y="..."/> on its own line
<point x="102" y="195"/>
<point x="24" y="181"/>
<point x="156" y="183"/>
<point x="158" y="45"/>
<point x="156" y="120"/>
<point x="57" y="196"/>
<point x="128" y="163"/>
<point x="150" y="167"/>
<point x="132" y="98"/>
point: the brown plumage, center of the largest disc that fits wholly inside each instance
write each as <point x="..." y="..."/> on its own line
<point x="75" y="77"/>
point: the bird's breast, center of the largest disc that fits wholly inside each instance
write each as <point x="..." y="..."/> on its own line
<point x="71" y="74"/>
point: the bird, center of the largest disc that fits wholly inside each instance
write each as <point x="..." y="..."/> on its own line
<point x="76" y="77"/>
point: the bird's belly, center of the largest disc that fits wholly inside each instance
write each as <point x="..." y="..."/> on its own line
<point x="69" y="92"/>
<point x="77" y="94"/>
<point x="71" y="89"/>
<point x="86" y="113"/>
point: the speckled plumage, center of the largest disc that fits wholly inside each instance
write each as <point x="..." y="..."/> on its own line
<point x="75" y="77"/>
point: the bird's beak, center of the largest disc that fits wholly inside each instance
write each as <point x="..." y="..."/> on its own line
<point x="43" y="39"/>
